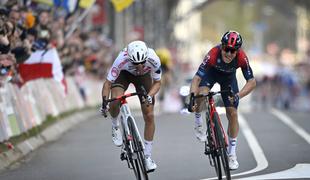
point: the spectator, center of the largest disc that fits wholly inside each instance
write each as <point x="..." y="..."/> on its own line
<point x="7" y="62"/>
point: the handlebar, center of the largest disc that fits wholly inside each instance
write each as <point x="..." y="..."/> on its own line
<point x="211" y="93"/>
<point x="123" y="97"/>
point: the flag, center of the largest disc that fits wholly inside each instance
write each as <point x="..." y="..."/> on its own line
<point x="120" y="5"/>
<point x="43" y="64"/>
<point x="69" y="5"/>
<point x="86" y="3"/>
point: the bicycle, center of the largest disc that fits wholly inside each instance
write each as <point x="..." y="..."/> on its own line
<point x="217" y="142"/>
<point x="133" y="146"/>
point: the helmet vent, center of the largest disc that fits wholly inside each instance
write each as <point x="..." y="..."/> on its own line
<point x="138" y="56"/>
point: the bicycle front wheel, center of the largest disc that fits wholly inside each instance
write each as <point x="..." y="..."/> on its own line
<point x="211" y="151"/>
<point x="222" y="151"/>
<point x="131" y="155"/>
<point x="138" y="148"/>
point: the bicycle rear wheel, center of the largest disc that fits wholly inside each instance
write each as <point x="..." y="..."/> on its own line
<point x="222" y="151"/>
<point x="138" y="148"/>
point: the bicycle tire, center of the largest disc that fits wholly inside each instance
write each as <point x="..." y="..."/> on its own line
<point x="215" y="159"/>
<point x="222" y="151"/>
<point x="133" y="161"/>
<point x="138" y="148"/>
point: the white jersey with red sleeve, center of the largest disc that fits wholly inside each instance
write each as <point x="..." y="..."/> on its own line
<point x="122" y="62"/>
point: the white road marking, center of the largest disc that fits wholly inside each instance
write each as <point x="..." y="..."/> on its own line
<point x="258" y="153"/>
<point x="289" y="122"/>
<point x="297" y="172"/>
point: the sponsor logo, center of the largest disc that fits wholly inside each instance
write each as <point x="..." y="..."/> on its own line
<point x="114" y="72"/>
<point x="206" y="59"/>
<point x="201" y="73"/>
<point x="152" y="62"/>
<point x="248" y="65"/>
<point x="122" y="63"/>
<point x="158" y="71"/>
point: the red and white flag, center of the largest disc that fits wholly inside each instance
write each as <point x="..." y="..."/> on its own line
<point x="43" y="64"/>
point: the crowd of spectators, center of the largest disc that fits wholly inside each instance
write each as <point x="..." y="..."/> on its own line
<point x="284" y="81"/>
<point x="27" y="26"/>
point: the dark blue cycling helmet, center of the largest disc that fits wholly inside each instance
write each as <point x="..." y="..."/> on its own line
<point x="232" y="39"/>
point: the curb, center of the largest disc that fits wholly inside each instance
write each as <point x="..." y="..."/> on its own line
<point x="50" y="134"/>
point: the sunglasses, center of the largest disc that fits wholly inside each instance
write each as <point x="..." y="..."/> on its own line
<point x="228" y="49"/>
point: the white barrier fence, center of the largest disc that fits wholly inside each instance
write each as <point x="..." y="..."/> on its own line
<point x="24" y="108"/>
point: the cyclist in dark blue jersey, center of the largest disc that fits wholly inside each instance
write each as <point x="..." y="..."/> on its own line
<point x="220" y="65"/>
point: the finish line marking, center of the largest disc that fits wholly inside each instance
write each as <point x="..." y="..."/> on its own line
<point x="299" y="171"/>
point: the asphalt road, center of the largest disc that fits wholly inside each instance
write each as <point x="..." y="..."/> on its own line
<point x="270" y="146"/>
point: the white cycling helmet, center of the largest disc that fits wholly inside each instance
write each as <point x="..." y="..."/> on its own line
<point x="137" y="51"/>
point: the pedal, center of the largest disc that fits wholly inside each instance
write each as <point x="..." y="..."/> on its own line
<point x="207" y="152"/>
<point x="123" y="156"/>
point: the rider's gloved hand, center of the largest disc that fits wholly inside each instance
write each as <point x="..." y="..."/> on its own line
<point x="104" y="107"/>
<point x="149" y="99"/>
<point x="234" y="99"/>
<point x="191" y="103"/>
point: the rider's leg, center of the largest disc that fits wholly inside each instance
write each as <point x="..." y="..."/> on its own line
<point x="149" y="127"/>
<point x="114" y="106"/>
<point x="201" y="105"/>
<point x="198" y="128"/>
<point x="233" y="124"/>
<point x="231" y="113"/>
<point x="233" y="129"/>
<point x="205" y="85"/>
<point x="147" y="110"/>
<point x="149" y="130"/>
<point x="118" y="88"/>
<point x="114" y="111"/>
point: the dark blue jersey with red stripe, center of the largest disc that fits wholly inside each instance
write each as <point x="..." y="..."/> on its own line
<point x="214" y="61"/>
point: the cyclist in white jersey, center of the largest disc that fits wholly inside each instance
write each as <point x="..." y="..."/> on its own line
<point x="139" y="65"/>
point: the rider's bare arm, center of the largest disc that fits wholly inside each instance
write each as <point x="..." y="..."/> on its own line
<point x="248" y="87"/>
<point x="106" y="88"/>
<point x="195" y="84"/>
<point x="155" y="88"/>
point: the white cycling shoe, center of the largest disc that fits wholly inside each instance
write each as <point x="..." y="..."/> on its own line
<point x="150" y="165"/>
<point x="200" y="133"/>
<point x="117" y="136"/>
<point x="233" y="163"/>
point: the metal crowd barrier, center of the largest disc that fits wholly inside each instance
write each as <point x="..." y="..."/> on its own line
<point x="24" y="108"/>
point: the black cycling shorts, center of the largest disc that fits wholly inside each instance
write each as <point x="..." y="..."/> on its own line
<point x="125" y="78"/>
<point x="213" y="76"/>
